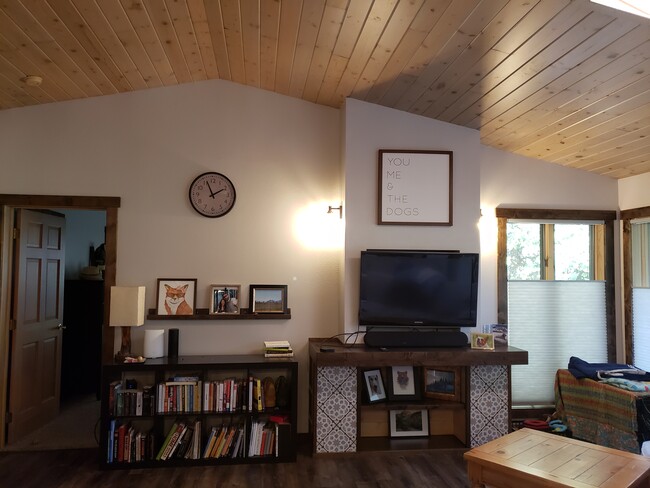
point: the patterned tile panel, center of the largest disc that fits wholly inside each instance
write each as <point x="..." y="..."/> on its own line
<point x="489" y="403"/>
<point x="336" y="409"/>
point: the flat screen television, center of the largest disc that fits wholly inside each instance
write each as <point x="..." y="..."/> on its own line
<point x="418" y="289"/>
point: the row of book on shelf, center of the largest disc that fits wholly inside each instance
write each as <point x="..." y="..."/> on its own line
<point x="268" y="437"/>
<point x="188" y="394"/>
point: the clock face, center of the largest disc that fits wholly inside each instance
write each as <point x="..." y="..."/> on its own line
<point x="212" y="194"/>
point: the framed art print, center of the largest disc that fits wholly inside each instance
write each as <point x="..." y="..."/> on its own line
<point x="442" y="383"/>
<point x="224" y="299"/>
<point x="176" y="296"/>
<point x="374" y="385"/>
<point x="403" y="383"/>
<point x="415" y="187"/>
<point x="409" y="423"/>
<point x="268" y="299"/>
<point x="481" y="341"/>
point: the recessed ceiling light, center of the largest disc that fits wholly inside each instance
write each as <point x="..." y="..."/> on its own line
<point x="636" y="7"/>
<point x="32" y="80"/>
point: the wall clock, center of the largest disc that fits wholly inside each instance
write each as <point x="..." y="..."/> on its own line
<point x="212" y="194"/>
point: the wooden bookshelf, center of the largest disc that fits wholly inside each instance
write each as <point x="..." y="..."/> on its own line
<point x="153" y="415"/>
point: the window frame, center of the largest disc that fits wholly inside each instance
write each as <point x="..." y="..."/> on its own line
<point x="606" y="216"/>
<point x="627" y="216"/>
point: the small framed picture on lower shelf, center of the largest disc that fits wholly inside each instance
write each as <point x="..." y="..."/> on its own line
<point x="409" y="423"/>
<point x="374" y="386"/>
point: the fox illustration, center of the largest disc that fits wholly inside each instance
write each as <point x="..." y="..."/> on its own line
<point x="175" y="302"/>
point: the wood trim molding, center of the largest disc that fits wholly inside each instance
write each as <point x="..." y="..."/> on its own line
<point x="45" y="201"/>
<point x="627" y="216"/>
<point x="554" y="214"/>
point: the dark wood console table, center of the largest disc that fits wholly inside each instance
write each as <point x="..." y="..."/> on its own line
<point x="341" y="421"/>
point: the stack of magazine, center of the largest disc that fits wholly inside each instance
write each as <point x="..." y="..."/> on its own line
<point x="277" y="349"/>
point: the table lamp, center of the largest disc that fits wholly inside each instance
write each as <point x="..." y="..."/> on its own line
<point x="127" y="310"/>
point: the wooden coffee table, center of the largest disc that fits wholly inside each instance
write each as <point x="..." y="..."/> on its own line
<point x="530" y="458"/>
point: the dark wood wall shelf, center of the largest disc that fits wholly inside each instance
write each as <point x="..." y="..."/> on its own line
<point x="204" y="314"/>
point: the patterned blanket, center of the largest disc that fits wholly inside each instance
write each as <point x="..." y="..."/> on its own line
<point x="602" y="413"/>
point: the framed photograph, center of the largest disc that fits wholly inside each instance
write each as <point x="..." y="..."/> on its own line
<point x="374" y="386"/>
<point x="176" y="296"/>
<point x="442" y="383"/>
<point x="403" y="383"/>
<point x="415" y="187"/>
<point x="409" y="423"/>
<point x="268" y="299"/>
<point x="224" y="299"/>
<point x="481" y="341"/>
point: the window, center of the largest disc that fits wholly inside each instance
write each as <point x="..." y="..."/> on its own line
<point x="553" y="293"/>
<point x="636" y="263"/>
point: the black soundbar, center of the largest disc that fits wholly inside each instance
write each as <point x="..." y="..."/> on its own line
<point x="414" y="338"/>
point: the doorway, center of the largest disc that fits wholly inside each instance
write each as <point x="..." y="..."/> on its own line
<point x="8" y="203"/>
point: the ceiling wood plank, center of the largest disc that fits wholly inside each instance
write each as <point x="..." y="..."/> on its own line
<point x="64" y="39"/>
<point x="203" y="38"/>
<point x="184" y="28"/>
<point x="403" y="16"/>
<point x="497" y="51"/>
<point x="234" y="42"/>
<point x="144" y="30"/>
<point x="167" y="38"/>
<point x="461" y="34"/>
<point x="290" y="13"/>
<point x="269" y="34"/>
<point x="327" y="35"/>
<point x="310" y="24"/>
<point x="377" y="20"/>
<point x="251" y="35"/>
<point x="566" y="94"/>
<point x="350" y="30"/>
<point x="218" y="36"/>
<point x="123" y="79"/>
<point x="424" y="22"/>
<point x="46" y="68"/>
<point x="128" y="38"/>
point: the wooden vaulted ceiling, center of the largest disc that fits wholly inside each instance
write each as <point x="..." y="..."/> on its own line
<point x="565" y="81"/>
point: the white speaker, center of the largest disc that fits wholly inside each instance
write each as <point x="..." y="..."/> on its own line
<point x="154" y="343"/>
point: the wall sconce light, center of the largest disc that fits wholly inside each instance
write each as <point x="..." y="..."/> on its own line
<point x="340" y="209"/>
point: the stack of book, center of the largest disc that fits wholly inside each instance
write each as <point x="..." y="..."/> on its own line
<point x="277" y="349"/>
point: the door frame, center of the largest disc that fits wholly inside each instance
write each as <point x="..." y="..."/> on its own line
<point x="9" y="202"/>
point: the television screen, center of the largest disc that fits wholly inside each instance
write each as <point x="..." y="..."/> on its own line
<point x="418" y="288"/>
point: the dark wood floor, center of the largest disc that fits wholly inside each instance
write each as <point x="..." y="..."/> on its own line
<point x="79" y="469"/>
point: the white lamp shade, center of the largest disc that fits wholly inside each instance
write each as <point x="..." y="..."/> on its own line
<point x="127" y="306"/>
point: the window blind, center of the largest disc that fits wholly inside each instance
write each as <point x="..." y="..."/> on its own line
<point x="553" y="320"/>
<point x="641" y="329"/>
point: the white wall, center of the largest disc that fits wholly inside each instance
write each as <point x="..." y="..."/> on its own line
<point x="369" y="128"/>
<point x="146" y="147"/>
<point x="633" y="192"/>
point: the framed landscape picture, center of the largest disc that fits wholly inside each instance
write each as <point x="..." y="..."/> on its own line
<point x="442" y="383"/>
<point x="409" y="423"/>
<point x="268" y="299"/>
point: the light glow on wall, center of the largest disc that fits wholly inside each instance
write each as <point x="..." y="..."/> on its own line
<point x="488" y="231"/>
<point x="636" y="7"/>
<point x="316" y="229"/>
